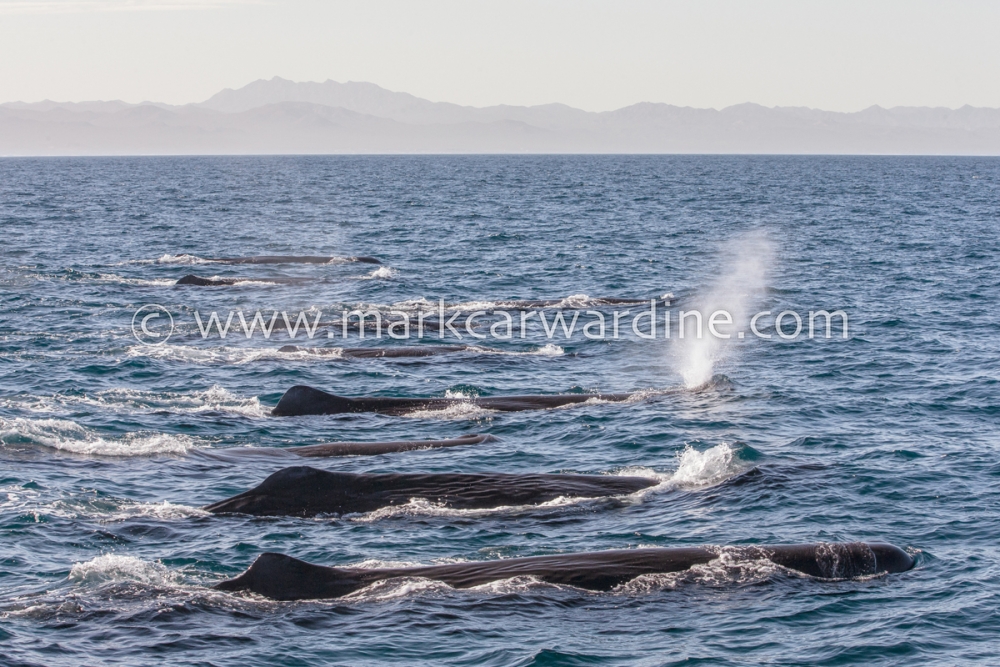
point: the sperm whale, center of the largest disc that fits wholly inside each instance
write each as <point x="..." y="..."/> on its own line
<point x="379" y="352"/>
<point x="198" y="281"/>
<point x="282" y="259"/>
<point x="303" y="400"/>
<point x="305" y="491"/>
<point x="281" y="577"/>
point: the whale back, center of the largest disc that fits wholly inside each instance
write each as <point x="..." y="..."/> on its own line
<point x="306" y="491"/>
<point x="291" y="259"/>
<point x="303" y="400"/>
<point x="281" y="577"/>
<point x="285" y="578"/>
<point x="191" y="279"/>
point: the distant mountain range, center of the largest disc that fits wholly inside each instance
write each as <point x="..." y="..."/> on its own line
<point x="281" y="116"/>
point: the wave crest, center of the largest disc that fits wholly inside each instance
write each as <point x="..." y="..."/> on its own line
<point x="113" y="568"/>
<point x="135" y="401"/>
<point x="68" y="436"/>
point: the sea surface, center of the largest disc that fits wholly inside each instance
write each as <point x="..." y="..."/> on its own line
<point x="109" y="445"/>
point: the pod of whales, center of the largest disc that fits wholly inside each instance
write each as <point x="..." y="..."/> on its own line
<point x="304" y="491"/>
<point x="283" y="259"/>
<point x="281" y="577"/>
<point x="373" y="448"/>
<point x="377" y="352"/>
<point x="302" y="400"/>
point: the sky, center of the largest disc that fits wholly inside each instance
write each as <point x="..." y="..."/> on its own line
<point x="841" y="55"/>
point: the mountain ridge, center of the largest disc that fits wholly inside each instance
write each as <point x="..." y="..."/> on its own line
<point x="281" y="116"/>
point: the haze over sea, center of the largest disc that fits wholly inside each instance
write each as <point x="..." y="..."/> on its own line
<point x="108" y="447"/>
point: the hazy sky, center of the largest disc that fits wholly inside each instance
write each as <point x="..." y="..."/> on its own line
<point x="841" y="55"/>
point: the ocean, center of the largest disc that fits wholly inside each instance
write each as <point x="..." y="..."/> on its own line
<point x="112" y="439"/>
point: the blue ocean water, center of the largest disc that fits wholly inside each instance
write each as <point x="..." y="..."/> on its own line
<point x="108" y="446"/>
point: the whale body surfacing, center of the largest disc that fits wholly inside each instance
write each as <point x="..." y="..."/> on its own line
<point x="192" y="279"/>
<point x="293" y="259"/>
<point x="303" y="400"/>
<point x="305" y="491"/>
<point x="281" y="577"/>
<point x="377" y="352"/>
<point x="198" y="281"/>
<point x="281" y="259"/>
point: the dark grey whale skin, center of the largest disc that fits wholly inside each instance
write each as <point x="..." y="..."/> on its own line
<point x="281" y="577"/>
<point x="303" y="400"/>
<point x="373" y="448"/>
<point x="304" y="491"/>
<point x="198" y="281"/>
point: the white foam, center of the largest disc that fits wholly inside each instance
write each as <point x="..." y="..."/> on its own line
<point x="571" y="302"/>
<point x="121" y="280"/>
<point x="574" y="301"/>
<point x="134" y="401"/>
<point x="713" y="466"/>
<point x="101" y="509"/>
<point x="181" y="259"/>
<point x="424" y="507"/>
<point x="381" y="273"/>
<point x="695" y="469"/>
<point x="248" y="281"/>
<point x="376" y="564"/>
<point x="460" y="410"/>
<point x="548" y="350"/>
<point x="65" y="435"/>
<point x="459" y="394"/>
<point x="420" y="304"/>
<point x="313" y="352"/>
<point x="392" y="589"/>
<point x="215" y="355"/>
<point x="471" y="306"/>
<point x="129" y="509"/>
<point x="112" y="568"/>
<point x="728" y="569"/>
